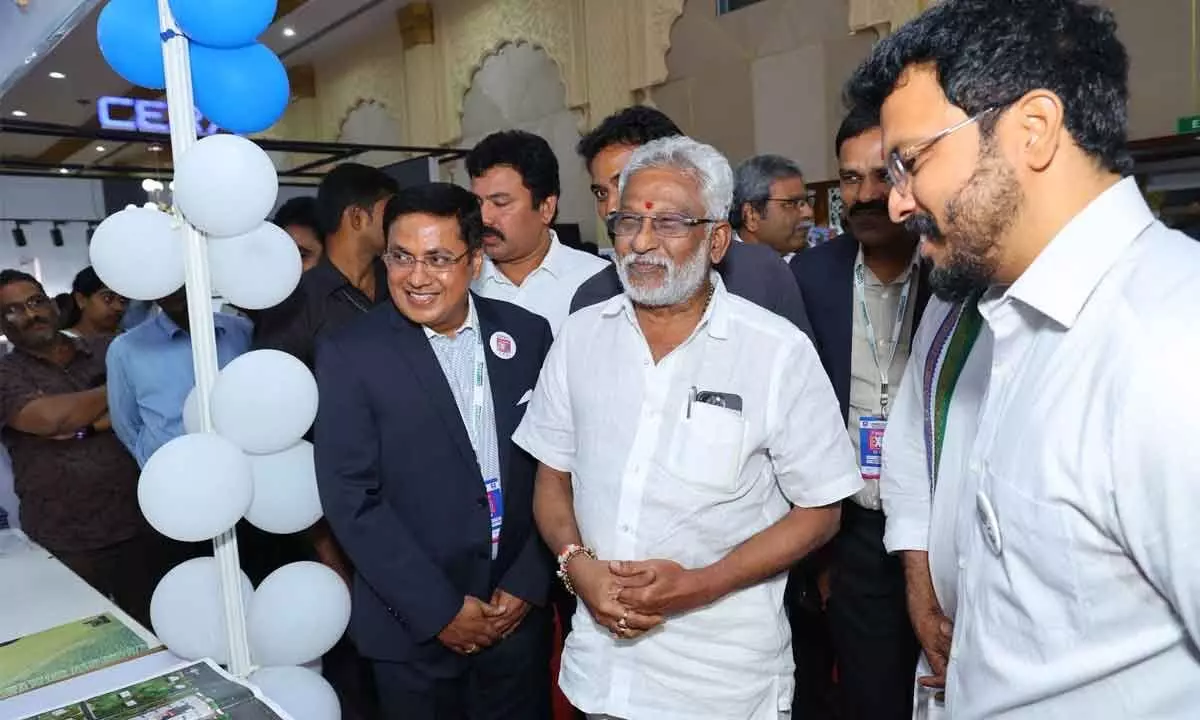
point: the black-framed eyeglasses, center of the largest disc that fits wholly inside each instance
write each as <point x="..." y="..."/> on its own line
<point x="624" y="225"/>
<point x="437" y="263"/>
<point x="902" y="163"/>
<point x="790" y="203"/>
<point x="33" y="303"/>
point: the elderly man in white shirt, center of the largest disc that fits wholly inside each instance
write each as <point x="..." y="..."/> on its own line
<point x="692" y="451"/>
<point x="925" y="484"/>
<point x="515" y="175"/>
<point x="1078" y="590"/>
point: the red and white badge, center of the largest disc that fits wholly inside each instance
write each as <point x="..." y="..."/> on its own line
<point x="503" y="345"/>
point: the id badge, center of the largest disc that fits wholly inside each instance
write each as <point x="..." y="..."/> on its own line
<point x="495" y="506"/>
<point x="870" y="446"/>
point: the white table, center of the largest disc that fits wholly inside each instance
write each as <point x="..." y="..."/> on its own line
<point x="37" y="592"/>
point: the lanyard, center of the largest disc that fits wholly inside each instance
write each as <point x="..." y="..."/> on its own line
<point x="897" y="328"/>
<point x="477" y="399"/>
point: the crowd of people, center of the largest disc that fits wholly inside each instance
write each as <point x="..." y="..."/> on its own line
<point x="729" y="474"/>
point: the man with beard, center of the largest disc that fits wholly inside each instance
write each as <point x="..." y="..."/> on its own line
<point x="867" y="290"/>
<point x="1079" y="585"/>
<point x="689" y="437"/>
<point x="748" y="271"/>
<point x="515" y="175"/>
<point x="770" y="205"/>
<point x="76" y="484"/>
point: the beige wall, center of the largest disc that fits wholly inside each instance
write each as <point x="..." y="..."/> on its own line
<point x="768" y="78"/>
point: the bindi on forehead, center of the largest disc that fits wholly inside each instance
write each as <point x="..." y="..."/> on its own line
<point x="649" y="205"/>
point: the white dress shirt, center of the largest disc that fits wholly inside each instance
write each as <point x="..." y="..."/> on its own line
<point x="651" y="482"/>
<point x="547" y="290"/>
<point x="1079" y="586"/>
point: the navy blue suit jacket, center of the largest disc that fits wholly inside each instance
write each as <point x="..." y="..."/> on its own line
<point x="401" y="486"/>
<point x="825" y="274"/>
<point x="753" y="272"/>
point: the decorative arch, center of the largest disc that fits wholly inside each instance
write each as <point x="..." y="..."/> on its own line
<point x="361" y="103"/>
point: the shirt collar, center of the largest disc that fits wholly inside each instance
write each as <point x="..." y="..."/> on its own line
<point x="1063" y="277"/>
<point x="715" y="319"/>
<point x="555" y="263"/>
<point x="471" y="323"/>
<point x="168" y="327"/>
<point x="913" y="266"/>
<point x="327" y="279"/>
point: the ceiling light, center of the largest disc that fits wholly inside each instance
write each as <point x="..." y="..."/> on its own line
<point x="64" y="171"/>
<point x="57" y="75"/>
<point x="18" y="234"/>
<point x="289" y="32"/>
<point x="155" y="148"/>
<point x="19" y="113"/>
<point x="100" y="148"/>
<point x="56" y="235"/>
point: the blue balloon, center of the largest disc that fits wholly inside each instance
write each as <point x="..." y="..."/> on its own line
<point x="128" y="35"/>
<point x="244" y="90"/>
<point x="223" y="23"/>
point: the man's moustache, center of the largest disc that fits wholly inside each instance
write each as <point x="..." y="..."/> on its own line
<point x="872" y="207"/>
<point x="488" y="230"/>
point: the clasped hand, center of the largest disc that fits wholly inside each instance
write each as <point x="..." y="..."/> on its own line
<point x="631" y="598"/>
<point x="480" y="625"/>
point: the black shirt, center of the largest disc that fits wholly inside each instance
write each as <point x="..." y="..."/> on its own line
<point x="325" y="299"/>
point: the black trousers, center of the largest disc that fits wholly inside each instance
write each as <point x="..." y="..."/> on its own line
<point x="873" y="638"/>
<point x="126" y="572"/>
<point x="508" y="681"/>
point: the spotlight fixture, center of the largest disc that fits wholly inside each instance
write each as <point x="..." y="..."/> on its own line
<point x="100" y="148"/>
<point x="64" y="171"/>
<point x="18" y="233"/>
<point x="155" y="148"/>
<point x="57" y="75"/>
<point x="56" y="235"/>
<point x="19" y="113"/>
<point x="289" y="32"/>
<point x="91" y="230"/>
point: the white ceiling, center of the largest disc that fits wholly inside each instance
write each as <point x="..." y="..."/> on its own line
<point x="322" y="28"/>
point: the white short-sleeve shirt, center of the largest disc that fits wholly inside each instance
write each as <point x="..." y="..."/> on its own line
<point x="651" y="482"/>
<point x="549" y="289"/>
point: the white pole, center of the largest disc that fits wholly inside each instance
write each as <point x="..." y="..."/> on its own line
<point x="181" y="113"/>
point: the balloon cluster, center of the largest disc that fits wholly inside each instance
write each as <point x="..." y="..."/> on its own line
<point x="239" y="84"/>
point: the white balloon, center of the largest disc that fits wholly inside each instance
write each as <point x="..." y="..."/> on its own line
<point x="299" y="692"/>
<point x="285" y="490"/>
<point x="225" y="185"/>
<point x="188" y="613"/>
<point x="297" y="614"/>
<point x="195" y="487"/>
<point x="256" y="270"/>
<point x="264" y="401"/>
<point x="191" y="412"/>
<point x="138" y="252"/>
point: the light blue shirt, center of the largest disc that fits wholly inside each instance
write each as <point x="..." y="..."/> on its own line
<point x="150" y="375"/>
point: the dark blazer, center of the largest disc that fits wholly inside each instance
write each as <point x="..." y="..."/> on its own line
<point x="401" y="486"/>
<point x="754" y="272"/>
<point x="825" y="275"/>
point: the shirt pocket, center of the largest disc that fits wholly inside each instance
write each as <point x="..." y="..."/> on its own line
<point x="1035" y="577"/>
<point x="706" y="448"/>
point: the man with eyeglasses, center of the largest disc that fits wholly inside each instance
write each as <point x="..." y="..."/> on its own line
<point x="749" y="271"/>
<point x="76" y="483"/>
<point x="422" y="484"/>
<point x="867" y="290"/>
<point x="770" y="205"/>
<point x="1078" y="590"/>
<point x="691" y="452"/>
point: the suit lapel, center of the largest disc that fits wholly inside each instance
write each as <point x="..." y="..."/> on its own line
<point x="418" y="354"/>
<point x="502" y="382"/>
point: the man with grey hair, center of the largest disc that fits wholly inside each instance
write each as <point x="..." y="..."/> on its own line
<point x="770" y="205"/>
<point x="691" y="451"/>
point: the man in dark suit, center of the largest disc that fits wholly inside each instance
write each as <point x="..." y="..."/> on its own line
<point x="750" y="271"/>
<point x="866" y="291"/>
<point x="422" y="484"/>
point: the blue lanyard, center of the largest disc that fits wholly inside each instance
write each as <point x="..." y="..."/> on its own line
<point x="897" y="328"/>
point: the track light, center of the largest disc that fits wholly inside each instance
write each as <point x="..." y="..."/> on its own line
<point x="91" y="230"/>
<point x="18" y="234"/>
<point x="56" y="235"/>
